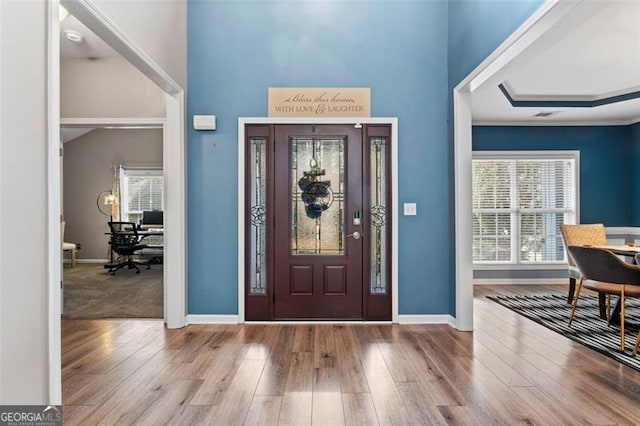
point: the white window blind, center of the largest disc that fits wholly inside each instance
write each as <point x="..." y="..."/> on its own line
<point x="140" y="190"/>
<point x="518" y="204"/>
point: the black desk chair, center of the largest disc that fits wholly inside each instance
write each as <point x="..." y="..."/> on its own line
<point x="125" y="241"/>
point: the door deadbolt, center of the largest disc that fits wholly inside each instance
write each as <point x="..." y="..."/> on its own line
<point x="356" y="218"/>
<point x="355" y="235"/>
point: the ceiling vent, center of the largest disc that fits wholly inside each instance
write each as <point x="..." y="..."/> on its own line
<point x="546" y="113"/>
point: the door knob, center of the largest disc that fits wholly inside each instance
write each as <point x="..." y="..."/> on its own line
<point x="355" y="235"/>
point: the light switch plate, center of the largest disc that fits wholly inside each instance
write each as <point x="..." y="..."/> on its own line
<point x="410" y="209"/>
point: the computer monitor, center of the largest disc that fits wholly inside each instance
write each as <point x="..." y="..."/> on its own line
<point x="154" y="217"/>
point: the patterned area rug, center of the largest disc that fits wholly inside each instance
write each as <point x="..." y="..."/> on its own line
<point x="552" y="311"/>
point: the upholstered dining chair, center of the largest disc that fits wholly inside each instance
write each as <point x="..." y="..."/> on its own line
<point x="604" y="272"/>
<point x="592" y="234"/>
<point x="70" y="247"/>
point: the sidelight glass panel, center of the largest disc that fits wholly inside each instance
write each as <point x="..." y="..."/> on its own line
<point x="317" y="196"/>
<point x="257" y="214"/>
<point x="378" y="273"/>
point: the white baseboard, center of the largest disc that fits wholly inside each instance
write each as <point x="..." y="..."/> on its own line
<point x="211" y="319"/>
<point x="520" y="281"/>
<point x="402" y="319"/>
<point x="87" y="260"/>
<point x="427" y="319"/>
<point x="319" y="322"/>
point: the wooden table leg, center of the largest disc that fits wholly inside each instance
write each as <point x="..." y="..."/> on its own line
<point x="602" y="304"/>
<point x="615" y="314"/>
<point x="572" y="290"/>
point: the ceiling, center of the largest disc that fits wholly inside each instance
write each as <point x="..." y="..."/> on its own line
<point x="91" y="47"/>
<point x="592" y="54"/>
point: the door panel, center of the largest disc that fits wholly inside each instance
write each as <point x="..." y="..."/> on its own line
<point x="318" y="267"/>
<point x="301" y="280"/>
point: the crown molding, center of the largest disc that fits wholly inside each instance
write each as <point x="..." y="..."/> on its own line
<point x="523" y="123"/>
<point x="550" y="101"/>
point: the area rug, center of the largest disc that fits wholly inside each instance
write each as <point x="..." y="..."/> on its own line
<point x="90" y="292"/>
<point x="552" y="311"/>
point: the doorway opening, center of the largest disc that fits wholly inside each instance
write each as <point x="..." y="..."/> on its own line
<point x="174" y="169"/>
<point x="317" y="221"/>
<point x="112" y="175"/>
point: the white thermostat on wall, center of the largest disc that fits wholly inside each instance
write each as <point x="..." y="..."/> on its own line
<point x="204" y="122"/>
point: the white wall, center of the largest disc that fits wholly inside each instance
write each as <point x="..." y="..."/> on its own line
<point x="157" y="27"/>
<point x="107" y="87"/>
<point x="23" y="208"/>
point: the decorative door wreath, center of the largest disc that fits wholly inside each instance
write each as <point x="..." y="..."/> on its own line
<point x="317" y="195"/>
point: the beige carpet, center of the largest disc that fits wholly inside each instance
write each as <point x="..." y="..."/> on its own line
<point x="90" y="292"/>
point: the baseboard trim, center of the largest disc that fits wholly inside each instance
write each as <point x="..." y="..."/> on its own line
<point x="87" y="261"/>
<point x="319" y="322"/>
<point x="211" y="319"/>
<point x="427" y="319"/>
<point x="402" y="319"/>
<point x="520" y="281"/>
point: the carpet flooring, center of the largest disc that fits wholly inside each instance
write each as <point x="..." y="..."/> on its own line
<point x="552" y="311"/>
<point x="90" y="292"/>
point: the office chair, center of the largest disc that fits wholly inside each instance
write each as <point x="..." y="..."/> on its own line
<point x="125" y="241"/>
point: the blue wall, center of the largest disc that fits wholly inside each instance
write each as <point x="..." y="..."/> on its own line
<point x="409" y="53"/>
<point x="634" y="137"/>
<point x="477" y="27"/>
<point x="237" y="50"/>
<point x="605" y="163"/>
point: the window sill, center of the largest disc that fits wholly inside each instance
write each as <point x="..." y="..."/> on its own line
<point x="518" y="266"/>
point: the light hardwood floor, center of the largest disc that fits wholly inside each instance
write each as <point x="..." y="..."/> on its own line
<point x="508" y="371"/>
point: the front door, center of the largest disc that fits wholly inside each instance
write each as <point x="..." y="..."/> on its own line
<point x="315" y="250"/>
<point x="318" y="244"/>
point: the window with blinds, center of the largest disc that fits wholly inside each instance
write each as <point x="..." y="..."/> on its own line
<point x="518" y="202"/>
<point x="140" y="190"/>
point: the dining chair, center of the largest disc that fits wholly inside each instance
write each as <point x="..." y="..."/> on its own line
<point x="578" y="235"/>
<point x="604" y="272"/>
<point x="70" y="247"/>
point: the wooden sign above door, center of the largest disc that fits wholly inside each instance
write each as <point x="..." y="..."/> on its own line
<point x="319" y="102"/>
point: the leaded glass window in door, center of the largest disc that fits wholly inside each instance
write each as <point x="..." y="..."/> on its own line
<point x="257" y="215"/>
<point x="317" y="196"/>
<point x="378" y="194"/>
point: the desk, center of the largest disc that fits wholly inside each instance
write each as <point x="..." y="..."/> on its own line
<point x="623" y="250"/>
<point x="153" y="239"/>
<point x="142" y="234"/>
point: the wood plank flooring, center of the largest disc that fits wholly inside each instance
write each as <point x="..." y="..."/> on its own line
<point x="508" y="371"/>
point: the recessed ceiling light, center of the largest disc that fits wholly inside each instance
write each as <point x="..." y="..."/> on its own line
<point x="73" y="36"/>
<point x="62" y="13"/>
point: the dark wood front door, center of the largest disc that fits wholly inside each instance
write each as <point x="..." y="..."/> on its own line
<point x="317" y="248"/>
